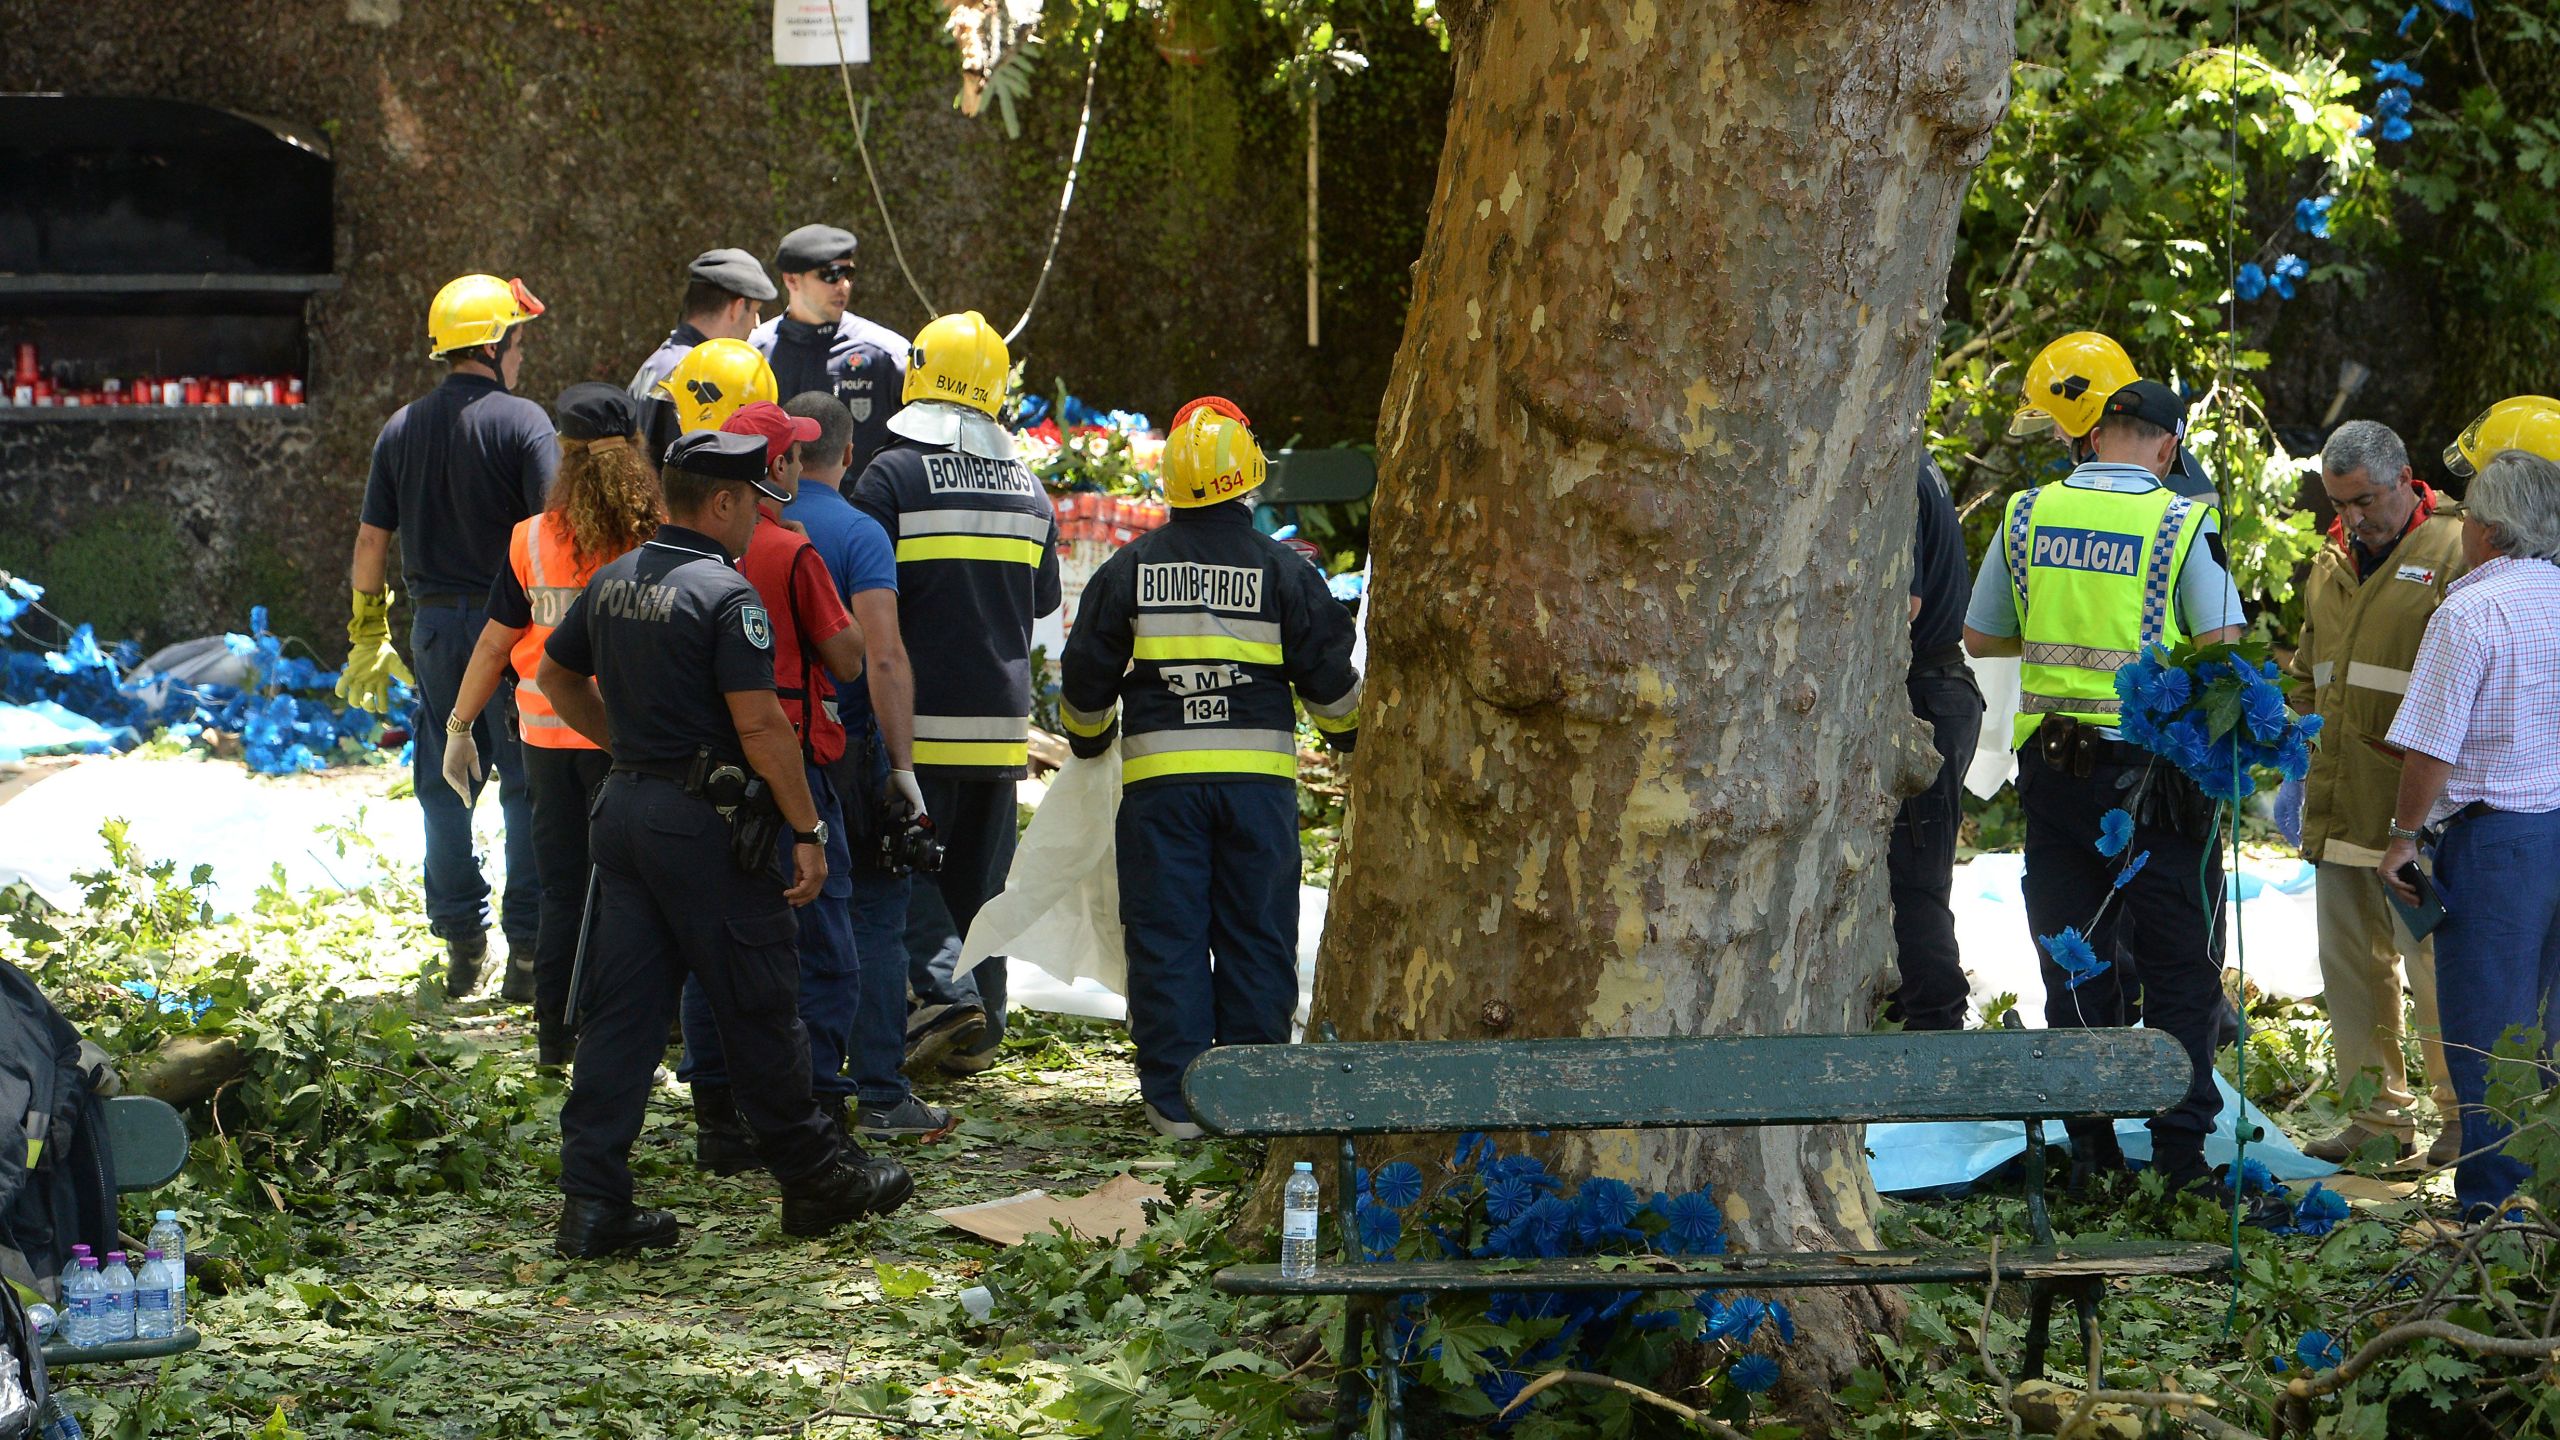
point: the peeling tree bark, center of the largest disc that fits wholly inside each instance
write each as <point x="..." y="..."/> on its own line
<point x="1636" y="729"/>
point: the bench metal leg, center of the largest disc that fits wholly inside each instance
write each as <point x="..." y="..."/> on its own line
<point x="2084" y="1299"/>
<point x="1390" y="1370"/>
<point x="1346" y="1401"/>
<point x="2039" y="1325"/>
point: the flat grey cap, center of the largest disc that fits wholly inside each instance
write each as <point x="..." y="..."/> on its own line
<point x="735" y="271"/>
<point x="811" y="246"/>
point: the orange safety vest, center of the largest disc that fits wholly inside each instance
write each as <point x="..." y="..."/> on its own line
<point x="546" y="565"/>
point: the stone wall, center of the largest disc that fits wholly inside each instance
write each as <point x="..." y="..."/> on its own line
<point x="593" y="147"/>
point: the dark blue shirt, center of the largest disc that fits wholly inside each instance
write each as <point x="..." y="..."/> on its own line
<point x="1940" y="579"/>
<point x="453" y="471"/>
<point x="859" y="557"/>
<point x="860" y="362"/>
<point x="669" y="630"/>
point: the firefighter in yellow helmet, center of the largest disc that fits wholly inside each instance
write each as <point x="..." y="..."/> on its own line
<point x="710" y="382"/>
<point x="2066" y="387"/>
<point x="453" y="471"/>
<point x="1187" y="647"/>
<point x="2530" y="423"/>
<point x="977" y="551"/>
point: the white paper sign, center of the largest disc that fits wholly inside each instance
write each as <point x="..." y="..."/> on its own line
<point x="803" y="36"/>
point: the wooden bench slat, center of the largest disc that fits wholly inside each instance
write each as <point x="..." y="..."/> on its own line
<point x="148" y="1140"/>
<point x="1635" y="1084"/>
<point x="1740" y="1272"/>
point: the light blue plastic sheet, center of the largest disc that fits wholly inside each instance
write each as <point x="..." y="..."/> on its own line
<point x="1913" y="1158"/>
<point x="44" y="728"/>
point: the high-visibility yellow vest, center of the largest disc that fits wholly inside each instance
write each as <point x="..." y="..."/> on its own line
<point x="2095" y="573"/>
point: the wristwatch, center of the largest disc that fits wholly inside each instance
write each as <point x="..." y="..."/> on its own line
<point x="817" y="837"/>
<point x="2399" y="834"/>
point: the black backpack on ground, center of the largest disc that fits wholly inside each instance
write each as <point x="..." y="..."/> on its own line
<point x="57" y="1179"/>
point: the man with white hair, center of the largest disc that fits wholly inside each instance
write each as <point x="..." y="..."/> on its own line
<point x="2394" y="548"/>
<point x="2481" y="730"/>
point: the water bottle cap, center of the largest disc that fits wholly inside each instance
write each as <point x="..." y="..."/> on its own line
<point x="153" y="1255"/>
<point x="88" y="1262"/>
<point x="79" y="1250"/>
<point x="170" y="1215"/>
<point x="1307" y="1165"/>
<point x="115" y="1257"/>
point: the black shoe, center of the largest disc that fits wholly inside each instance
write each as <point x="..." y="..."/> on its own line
<point x="2183" y="1171"/>
<point x="722" y="1144"/>
<point x="2094" y="1153"/>
<point x="593" y="1229"/>
<point x="518" y="989"/>
<point x="462" y="957"/>
<point x="853" y="1185"/>
<point x="909" y="1119"/>
<point x="555" y="1045"/>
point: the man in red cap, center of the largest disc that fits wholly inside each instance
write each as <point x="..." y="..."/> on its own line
<point x="813" y="635"/>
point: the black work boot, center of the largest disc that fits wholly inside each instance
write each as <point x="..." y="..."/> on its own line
<point x="722" y="1144"/>
<point x="2180" y="1162"/>
<point x="594" y="1229"/>
<point x="518" y="987"/>
<point x="462" y="957"/>
<point x="853" y="1185"/>
<point x="2094" y="1152"/>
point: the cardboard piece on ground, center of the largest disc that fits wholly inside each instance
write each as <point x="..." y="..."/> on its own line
<point x="1112" y="1212"/>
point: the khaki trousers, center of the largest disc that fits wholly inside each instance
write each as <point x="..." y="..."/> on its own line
<point x="2362" y="947"/>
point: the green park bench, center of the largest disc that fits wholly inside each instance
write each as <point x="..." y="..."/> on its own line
<point x="1344" y="1090"/>
<point x="149" y="1141"/>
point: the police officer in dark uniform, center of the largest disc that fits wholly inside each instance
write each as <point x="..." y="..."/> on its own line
<point x="1189" y="644"/>
<point x="723" y="291"/>
<point x="818" y="343"/>
<point x="685" y="851"/>
<point x="1922" y="856"/>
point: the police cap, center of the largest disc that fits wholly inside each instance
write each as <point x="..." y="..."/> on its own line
<point x="594" y="410"/>
<point x="2148" y="400"/>
<point x="718" y="455"/>
<point x="732" y="270"/>
<point x="811" y="246"/>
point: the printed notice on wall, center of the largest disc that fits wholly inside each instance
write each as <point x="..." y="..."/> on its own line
<point x="805" y="34"/>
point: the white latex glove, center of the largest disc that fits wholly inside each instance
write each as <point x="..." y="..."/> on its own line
<point x="462" y="767"/>
<point x="904" y="782"/>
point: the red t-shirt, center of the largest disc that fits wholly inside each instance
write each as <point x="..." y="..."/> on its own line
<point x="801" y="602"/>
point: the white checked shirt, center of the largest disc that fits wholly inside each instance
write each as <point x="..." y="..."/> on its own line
<point x="2485" y="694"/>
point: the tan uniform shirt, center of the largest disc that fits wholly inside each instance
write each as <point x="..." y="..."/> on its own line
<point x="2359" y="639"/>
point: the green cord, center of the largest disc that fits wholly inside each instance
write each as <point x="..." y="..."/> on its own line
<point x="2239" y="1122"/>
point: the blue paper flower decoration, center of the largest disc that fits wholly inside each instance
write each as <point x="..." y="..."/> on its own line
<point x="1379" y="1229"/>
<point x="2131" y="868"/>
<point x="2408" y="21"/>
<point x="1697" y="1226"/>
<point x="2070" y="950"/>
<point x="2115" y="831"/>
<point x="2392" y="72"/>
<point x="2319" y="1210"/>
<point x="1509" y="1197"/>
<point x="2311" y="215"/>
<point x="2289" y="268"/>
<point x="2319" y="1350"/>
<point x="2250" y="283"/>
<point x="1397" y="1186"/>
<point x="1753" y="1373"/>
<point x="2456" y="7"/>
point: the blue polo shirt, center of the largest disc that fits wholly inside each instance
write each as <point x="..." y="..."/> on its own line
<point x="860" y="557"/>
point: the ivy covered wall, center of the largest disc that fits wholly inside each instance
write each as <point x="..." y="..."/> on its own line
<point x="593" y="146"/>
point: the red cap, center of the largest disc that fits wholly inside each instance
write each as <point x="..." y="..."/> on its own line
<point x="778" y="426"/>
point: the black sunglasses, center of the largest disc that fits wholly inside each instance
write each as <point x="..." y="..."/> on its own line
<point x="833" y="274"/>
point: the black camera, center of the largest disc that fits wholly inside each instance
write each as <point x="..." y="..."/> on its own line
<point x="907" y="842"/>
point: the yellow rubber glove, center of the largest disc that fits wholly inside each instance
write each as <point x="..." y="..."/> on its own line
<point x="371" y="662"/>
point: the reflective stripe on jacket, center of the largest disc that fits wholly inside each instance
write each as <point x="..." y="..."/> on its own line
<point x="2095" y="573"/>
<point x="977" y="563"/>
<point x="1188" y="644"/>
<point x="2359" y="642"/>
<point x="546" y="565"/>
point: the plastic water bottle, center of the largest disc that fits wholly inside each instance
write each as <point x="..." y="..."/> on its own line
<point x="1298" y="1223"/>
<point x="56" y="1422"/>
<point x="170" y="1239"/>
<point x="45" y="1318"/>
<point x="115" y="1306"/>
<point x="71" y="1272"/>
<point x="154" y="1316"/>
<point x="82" y="1326"/>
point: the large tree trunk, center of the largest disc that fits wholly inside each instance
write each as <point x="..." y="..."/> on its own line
<point x="1636" y="730"/>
